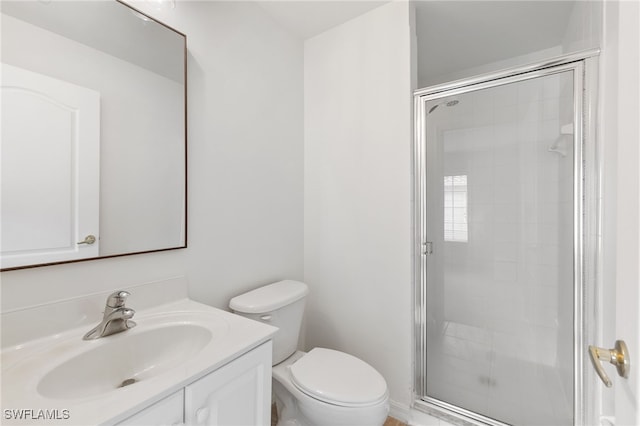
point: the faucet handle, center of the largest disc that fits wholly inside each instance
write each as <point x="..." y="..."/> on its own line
<point x="117" y="299"/>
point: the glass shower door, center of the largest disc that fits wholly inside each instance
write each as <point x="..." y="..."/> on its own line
<point x="499" y="221"/>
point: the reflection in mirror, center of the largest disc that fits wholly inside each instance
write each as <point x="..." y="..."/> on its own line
<point x="93" y="132"/>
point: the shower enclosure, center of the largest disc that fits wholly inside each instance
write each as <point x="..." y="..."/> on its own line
<point x="504" y="211"/>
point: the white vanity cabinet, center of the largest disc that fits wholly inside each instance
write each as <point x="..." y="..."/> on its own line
<point x="238" y="393"/>
<point x="166" y="412"/>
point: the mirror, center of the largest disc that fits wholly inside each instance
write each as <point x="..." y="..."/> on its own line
<point x="93" y="132"/>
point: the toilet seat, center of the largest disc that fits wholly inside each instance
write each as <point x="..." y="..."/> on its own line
<point x="338" y="378"/>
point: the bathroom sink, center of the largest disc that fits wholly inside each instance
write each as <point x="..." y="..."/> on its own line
<point x="163" y="346"/>
<point x="105" y="380"/>
<point x="123" y="360"/>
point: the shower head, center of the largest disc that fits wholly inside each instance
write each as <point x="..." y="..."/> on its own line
<point x="451" y="103"/>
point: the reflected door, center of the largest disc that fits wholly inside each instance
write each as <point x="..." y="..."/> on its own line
<point x="50" y="169"/>
<point x="500" y="192"/>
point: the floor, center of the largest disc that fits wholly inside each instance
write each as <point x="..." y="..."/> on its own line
<point x="392" y="421"/>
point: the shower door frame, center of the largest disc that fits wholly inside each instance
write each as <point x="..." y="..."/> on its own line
<point x="586" y="235"/>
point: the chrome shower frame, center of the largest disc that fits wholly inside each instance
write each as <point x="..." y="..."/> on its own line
<point x="586" y="234"/>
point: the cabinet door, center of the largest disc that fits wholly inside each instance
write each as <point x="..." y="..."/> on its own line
<point x="166" y="412"/>
<point x="237" y="394"/>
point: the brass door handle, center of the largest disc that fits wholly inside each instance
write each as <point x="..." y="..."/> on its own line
<point x="89" y="239"/>
<point x="618" y="356"/>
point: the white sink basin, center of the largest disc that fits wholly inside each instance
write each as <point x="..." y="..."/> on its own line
<point x="172" y="345"/>
<point x="123" y="360"/>
<point x="164" y="346"/>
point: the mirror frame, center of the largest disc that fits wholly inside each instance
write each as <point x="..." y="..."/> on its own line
<point x="184" y="245"/>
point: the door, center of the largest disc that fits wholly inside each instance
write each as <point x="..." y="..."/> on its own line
<point x="621" y="143"/>
<point x="50" y="207"/>
<point x="507" y="247"/>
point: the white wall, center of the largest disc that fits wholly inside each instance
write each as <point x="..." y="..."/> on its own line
<point x="526" y="59"/>
<point x="245" y="167"/>
<point x="358" y="192"/>
<point x="584" y="27"/>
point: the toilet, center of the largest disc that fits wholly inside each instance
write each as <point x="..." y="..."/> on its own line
<point x="322" y="387"/>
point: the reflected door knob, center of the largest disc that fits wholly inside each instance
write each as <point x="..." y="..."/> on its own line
<point x="89" y="239"/>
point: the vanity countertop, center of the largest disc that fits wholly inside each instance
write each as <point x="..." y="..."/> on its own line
<point x="77" y="381"/>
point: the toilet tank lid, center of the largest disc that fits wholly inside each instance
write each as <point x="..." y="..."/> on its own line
<point x="270" y="297"/>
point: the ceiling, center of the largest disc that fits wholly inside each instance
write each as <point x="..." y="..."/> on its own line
<point x="109" y="27"/>
<point x="453" y="35"/>
<point x="458" y="35"/>
<point x="309" y="18"/>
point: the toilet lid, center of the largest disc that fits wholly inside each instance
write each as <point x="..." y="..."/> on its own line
<point x="338" y="378"/>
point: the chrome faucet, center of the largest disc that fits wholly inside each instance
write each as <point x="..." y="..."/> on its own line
<point x="117" y="317"/>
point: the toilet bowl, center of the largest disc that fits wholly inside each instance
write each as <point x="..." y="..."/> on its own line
<point x="323" y="387"/>
<point x="306" y="406"/>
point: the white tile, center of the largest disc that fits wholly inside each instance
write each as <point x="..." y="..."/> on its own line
<point x="482" y="157"/>
<point x="549" y="254"/>
<point x="529" y="112"/>
<point x="530" y="90"/>
<point x="543" y="275"/>
<point x="547" y="213"/>
<point x="549" y="129"/>
<point x="549" y="194"/>
<point x="505" y="251"/>
<point x="506" y="232"/>
<point x="508" y="155"/>
<point x="505" y="174"/>
<point x="479" y="175"/>
<point x="482" y="114"/>
<point x="551" y="109"/>
<point x="549" y="166"/>
<point x="474" y="334"/>
<point x="542" y="296"/>
<point x="507" y="193"/>
<point x="503" y="96"/>
<point x="480" y="213"/>
<point x="549" y="232"/>
<point x="528" y="130"/>
<point x="551" y="87"/>
<point x="481" y="195"/>
<point x="505" y="134"/>
<point x="481" y="135"/>
<point x="505" y="271"/>
<point x="506" y="213"/>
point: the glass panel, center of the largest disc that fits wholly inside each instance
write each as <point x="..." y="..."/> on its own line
<point x="500" y="280"/>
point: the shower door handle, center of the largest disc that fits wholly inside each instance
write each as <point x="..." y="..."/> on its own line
<point x="618" y="356"/>
<point x="427" y="248"/>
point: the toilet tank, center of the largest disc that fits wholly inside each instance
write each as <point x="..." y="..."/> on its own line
<point x="281" y="305"/>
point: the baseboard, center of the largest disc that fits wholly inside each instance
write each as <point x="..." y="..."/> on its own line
<point x="400" y="411"/>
